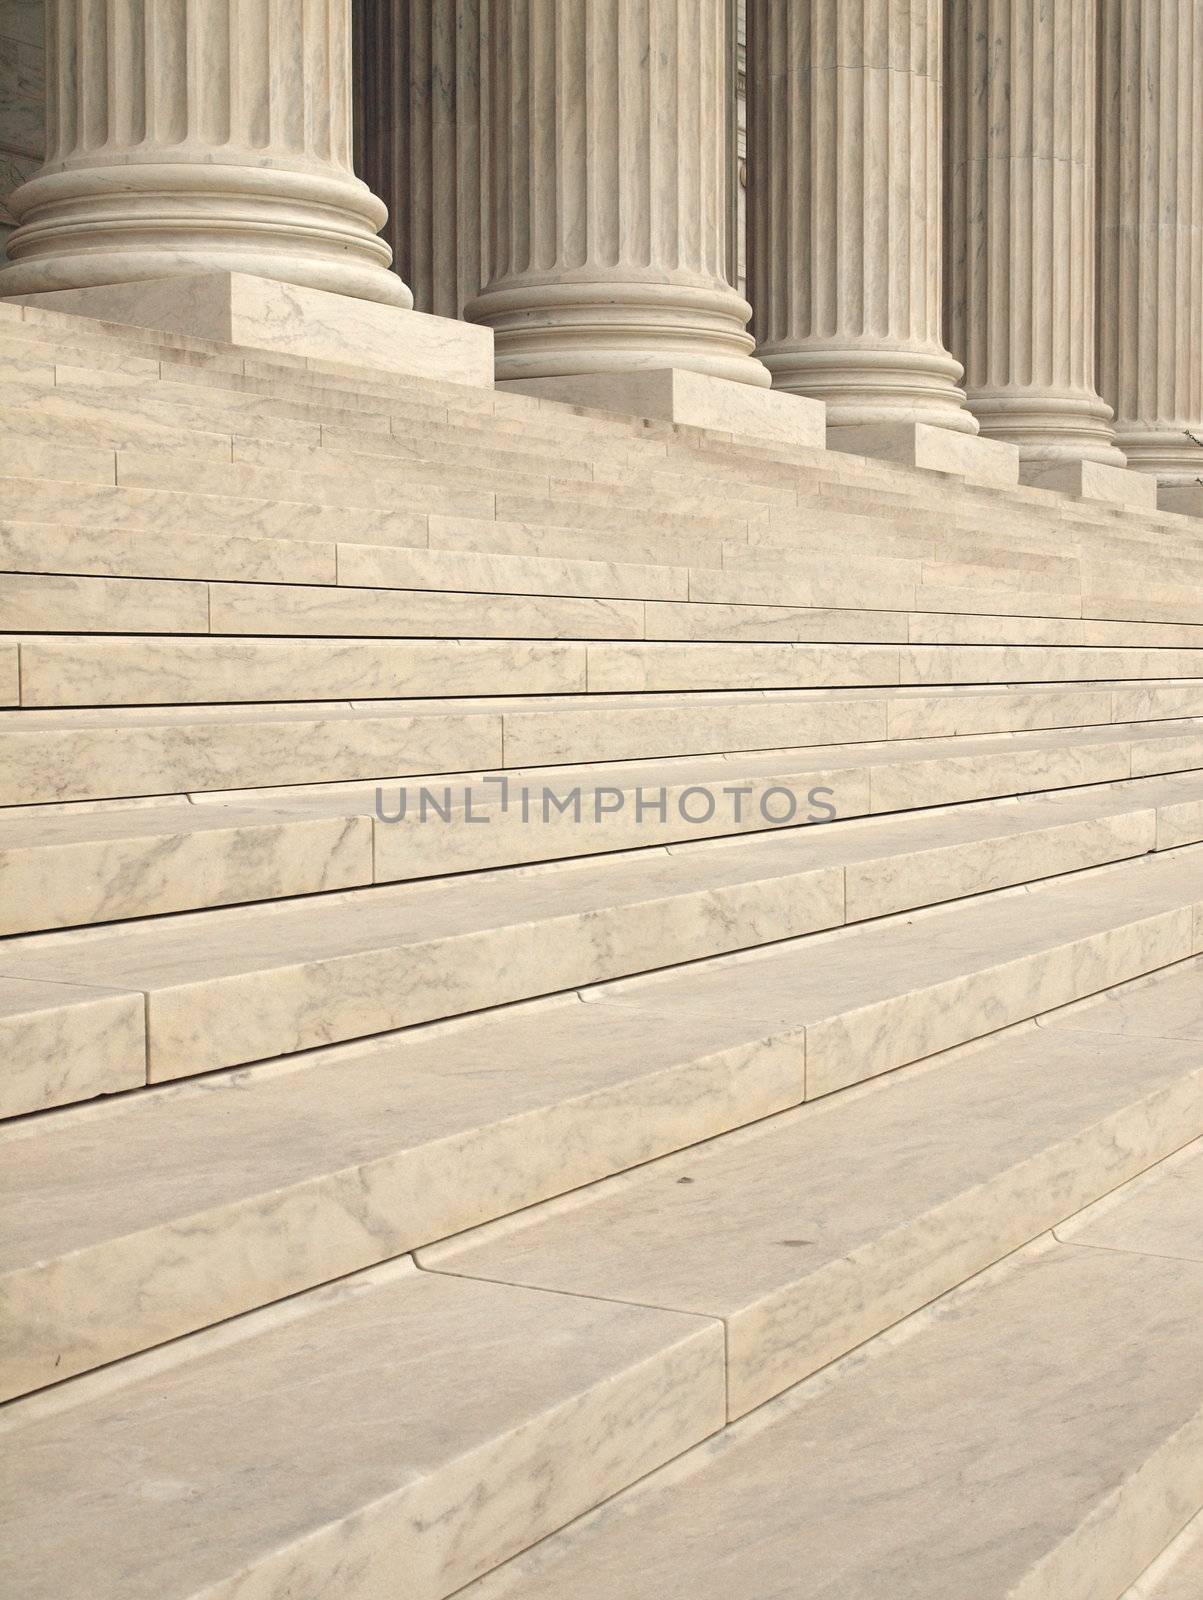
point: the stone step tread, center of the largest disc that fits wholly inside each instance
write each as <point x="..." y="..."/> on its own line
<point x="73" y="868"/>
<point x="241" y="984"/>
<point x="962" y="1455"/>
<point x="811" y="1232"/>
<point x="384" y="591"/>
<point x="111" y="753"/>
<point x="55" y="549"/>
<point x="243" y="376"/>
<point x="278" y="1181"/>
<point x="539" y="530"/>
<point x="1178" y="1572"/>
<point x="121" y="669"/>
<point x="477" y="1398"/>
<point x="735" y="605"/>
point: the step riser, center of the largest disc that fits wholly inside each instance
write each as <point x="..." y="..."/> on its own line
<point x="116" y="671"/>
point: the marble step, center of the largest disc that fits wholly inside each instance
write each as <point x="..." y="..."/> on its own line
<point x="73" y="868"/>
<point x="115" y="670"/>
<point x="103" y="505"/>
<point x="889" y="1198"/>
<point x="1177" y="1574"/>
<point x="891" y="1195"/>
<point x="961" y="1455"/>
<point x="470" y="1422"/>
<point x="817" y="604"/>
<point x="233" y="985"/>
<point x="70" y="868"/>
<point x="64" y="756"/>
<point x="446" y="607"/>
<point x="33" y="549"/>
<point x="240" y="394"/>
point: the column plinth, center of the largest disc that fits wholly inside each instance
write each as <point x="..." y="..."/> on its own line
<point x="199" y="136"/>
<point x="844" y="189"/>
<point x="1021" y="86"/>
<point x="1151" y="236"/>
<point x="610" y="162"/>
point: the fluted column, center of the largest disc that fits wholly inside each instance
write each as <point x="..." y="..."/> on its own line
<point x="199" y="135"/>
<point x="844" y="188"/>
<point x="1151" y="233"/>
<point x="611" y="159"/>
<point x="422" y="117"/>
<point x="1020" y="288"/>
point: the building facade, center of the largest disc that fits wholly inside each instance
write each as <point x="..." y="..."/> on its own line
<point x="983" y="216"/>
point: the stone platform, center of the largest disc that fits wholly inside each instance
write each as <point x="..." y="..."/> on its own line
<point x="631" y="993"/>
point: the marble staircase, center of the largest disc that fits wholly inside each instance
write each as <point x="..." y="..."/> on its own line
<point x="743" y="1119"/>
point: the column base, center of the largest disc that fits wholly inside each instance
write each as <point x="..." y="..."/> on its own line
<point x="918" y="444"/>
<point x="694" y="399"/>
<point x="262" y="314"/>
<point x="1184" y="498"/>
<point x="1091" y="480"/>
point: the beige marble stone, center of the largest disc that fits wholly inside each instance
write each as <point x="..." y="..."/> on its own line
<point x="378" y="566"/>
<point x="844" y="117"/>
<point x="497" y="1415"/>
<point x="964" y="1459"/>
<point x="40" y="547"/>
<point x="1020" y="280"/>
<point x="611" y="152"/>
<point x="935" y="448"/>
<point x="692" y="399"/>
<point x="1150" y="226"/>
<point x="161" y="159"/>
<point x="261" y="610"/>
<point x="1159" y="1214"/>
<point x="36" y="603"/>
<point x="275" y="1182"/>
<point x="1093" y="480"/>
<point x="259" y="312"/>
<point x="64" y="1042"/>
<point x="817" y="1230"/>
<point x="10" y="677"/>
<point x="67" y="870"/>
<point x="75" y="756"/>
<point x="116" y="671"/>
<point x="246" y="983"/>
<point x="1177" y="1574"/>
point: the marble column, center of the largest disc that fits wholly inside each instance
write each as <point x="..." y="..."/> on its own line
<point x="1019" y="280"/>
<point x="199" y="136"/>
<point x="1151" y="234"/>
<point x="611" y="244"/>
<point x="844" y="190"/>
<point x="421" y="116"/>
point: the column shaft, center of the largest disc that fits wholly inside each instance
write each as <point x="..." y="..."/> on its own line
<point x="611" y="163"/>
<point x="422" y="113"/>
<point x="1020" y="288"/>
<point x="844" y="188"/>
<point x="1151" y="233"/>
<point x="199" y="135"/>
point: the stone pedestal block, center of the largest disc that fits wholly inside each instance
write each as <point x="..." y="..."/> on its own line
<point x="1092" y="480"/>
<point x="693" y="399"/>
<point x="265" y="315"/>
<point x="984" y="461"/>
